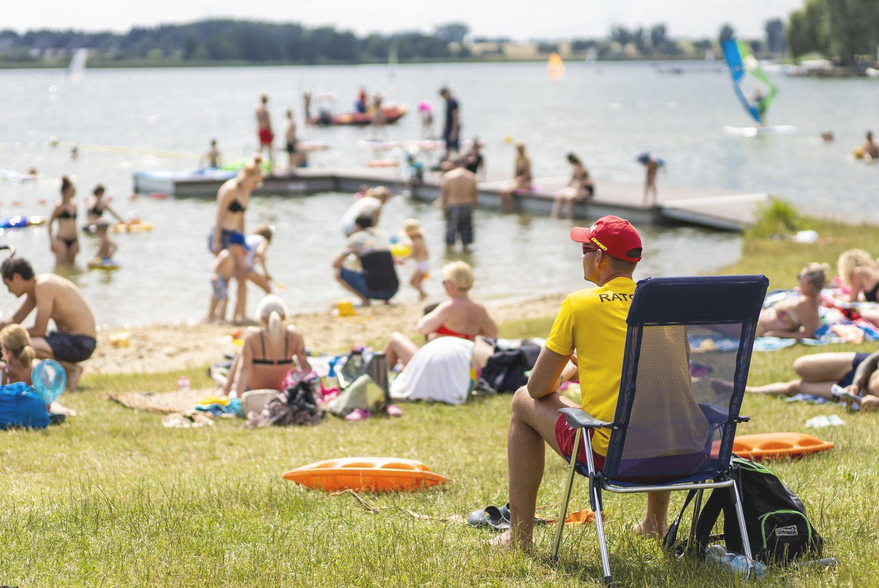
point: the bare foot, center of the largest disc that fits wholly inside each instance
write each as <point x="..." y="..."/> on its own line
<point x="505" y="541"/>
<point x="646" y="530"/>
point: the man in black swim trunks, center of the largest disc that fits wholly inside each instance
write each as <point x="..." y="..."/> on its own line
<point x="452" y="128"/>
<point x="58" y="299"/>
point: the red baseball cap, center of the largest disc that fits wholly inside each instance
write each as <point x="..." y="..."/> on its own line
<point x="614" y="235"/>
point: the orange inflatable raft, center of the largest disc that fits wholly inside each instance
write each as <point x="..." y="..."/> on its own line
<point x="773" y="445"/>
<point x="376" y="474"/>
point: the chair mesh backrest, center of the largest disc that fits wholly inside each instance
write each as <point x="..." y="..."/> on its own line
<point x="688" y="350"/>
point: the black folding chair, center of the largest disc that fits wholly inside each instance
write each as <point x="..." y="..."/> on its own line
<point x="688" y="351"/>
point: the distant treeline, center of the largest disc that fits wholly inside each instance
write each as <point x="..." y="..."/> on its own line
<point x="225" y="40"/>
<point x="822" y="26"/>
<point x="843" y="29"/>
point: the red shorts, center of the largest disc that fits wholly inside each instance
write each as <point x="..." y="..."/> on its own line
<point x="265" y="136"/>
<point x="564" y="436"/>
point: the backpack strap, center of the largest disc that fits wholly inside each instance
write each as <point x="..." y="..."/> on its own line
<point x="670" y="541"/>
<point x="719" y="501"/>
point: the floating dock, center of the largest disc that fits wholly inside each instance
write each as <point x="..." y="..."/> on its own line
<point x="718" y="209"/>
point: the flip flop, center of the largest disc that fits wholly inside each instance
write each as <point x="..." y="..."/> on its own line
<point x="490" y="517"/>
<point x="505" y="512"/>
<point x="358" y="415"/>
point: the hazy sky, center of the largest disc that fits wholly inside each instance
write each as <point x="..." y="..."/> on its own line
<point x="519" y="19"/>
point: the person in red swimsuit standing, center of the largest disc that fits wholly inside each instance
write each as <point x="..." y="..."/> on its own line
<point x="264" y="125"/>
<point x="457" y="317"/>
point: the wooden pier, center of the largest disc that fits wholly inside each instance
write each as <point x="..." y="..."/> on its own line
<point x="712" y="208"/>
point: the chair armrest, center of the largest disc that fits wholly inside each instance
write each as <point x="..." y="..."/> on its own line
<point x="580" y="419"/>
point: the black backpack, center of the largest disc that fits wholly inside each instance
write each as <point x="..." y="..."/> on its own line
<point x="505" y="370"/>
<point x="779" y="530"/>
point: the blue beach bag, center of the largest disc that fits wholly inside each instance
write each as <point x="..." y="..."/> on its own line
<point x="20" y="406"/>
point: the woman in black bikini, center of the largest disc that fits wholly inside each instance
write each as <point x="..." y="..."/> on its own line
<point x="64" y="243"/>
<point x="232" y="200"/>
<point x="579" y="188"/>
<point x="96" y="207"/>
<point x="267" y="354"/>
<point x="860" y="273"/>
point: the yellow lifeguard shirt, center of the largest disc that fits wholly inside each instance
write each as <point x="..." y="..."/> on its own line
<point x="592" y="323"/>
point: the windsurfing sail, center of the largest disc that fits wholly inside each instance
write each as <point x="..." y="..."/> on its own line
<point x="741" y="63"/>
<point x="591" y="55"/>
<point x="76" y="69"/>
<point x="555" y="67"/>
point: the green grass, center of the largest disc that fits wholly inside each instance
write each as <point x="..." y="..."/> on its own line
<point x="781" y="259"/>
<point x="113" y="498"/>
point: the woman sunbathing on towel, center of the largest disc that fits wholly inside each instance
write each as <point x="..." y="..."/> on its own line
<point x="457" y="317"/>
<point x="797" y="318"/>
<point x="861" y="274"/>
<point x="856" y="372"/>
<point x="267" y="353"/>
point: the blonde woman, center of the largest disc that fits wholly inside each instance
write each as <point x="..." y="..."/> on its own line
<point x="65" y="242"/>
<point x="18" y="355"/>
<point x="267" y="353"/>
<point x="860" y="273"/>
<point x="797" y="318"/>
<point x="521" y="178"/>
<point x="459" y="316"/>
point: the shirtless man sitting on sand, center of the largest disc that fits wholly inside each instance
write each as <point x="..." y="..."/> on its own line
<point x="58" y="299"/>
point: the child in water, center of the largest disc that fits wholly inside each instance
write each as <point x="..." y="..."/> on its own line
<point x="221" y="272"/>
<point x="419" y="254"/>
<point x="106" y="247"/>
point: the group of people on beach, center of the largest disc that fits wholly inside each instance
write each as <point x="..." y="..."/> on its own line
<point x="799" y="317"/>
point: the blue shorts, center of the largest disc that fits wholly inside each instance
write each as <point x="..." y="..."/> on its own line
<point x="225" y="239"/>
<point x="849" y="378"/>
<point x="357" y="280"/>
<point x="70" y="348"/>
<point x="220" y="286"/>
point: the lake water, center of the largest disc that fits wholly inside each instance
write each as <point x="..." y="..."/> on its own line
<point x="604" y="114"/>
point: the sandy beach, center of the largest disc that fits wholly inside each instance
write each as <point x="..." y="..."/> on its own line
<point x="159" y="348"/>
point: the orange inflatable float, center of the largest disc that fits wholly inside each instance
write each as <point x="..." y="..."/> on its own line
<point x="376" y="474"/>
<point x="773" y="445"/>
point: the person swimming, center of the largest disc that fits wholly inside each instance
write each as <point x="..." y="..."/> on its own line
<point x="797" y="318"/>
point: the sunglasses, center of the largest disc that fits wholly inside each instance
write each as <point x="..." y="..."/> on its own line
<point x="589" y="248"/>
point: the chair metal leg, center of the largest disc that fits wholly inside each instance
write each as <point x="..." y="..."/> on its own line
<point x="572" y="471"/>
<point x="697" y="506"/>
<point x="746" y="543"/>
<point x="602" y="541"/>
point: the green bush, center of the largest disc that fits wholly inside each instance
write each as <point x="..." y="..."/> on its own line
<point x="775" y="217"/>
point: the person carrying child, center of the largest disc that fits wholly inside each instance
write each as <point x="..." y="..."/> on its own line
<point x="221" y="272"/>
<point x="419" y="255"/>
